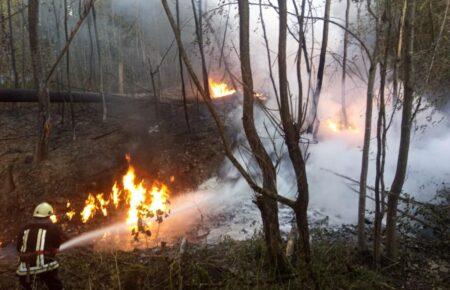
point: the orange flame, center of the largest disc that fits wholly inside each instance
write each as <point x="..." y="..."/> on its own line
<point x="140" y="201"/>
<point x="115" y="195"/>
<point x="337" y="127"/>
<point x="219" y="90"/>
<point x="89" y="209"/>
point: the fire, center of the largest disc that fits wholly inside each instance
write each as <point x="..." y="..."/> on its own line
<point x="115" y="195"/>
<point x="70" y="214"/>
<point x="337" y="127"/>
<point x="219" y="90"/>
<point x="89" y="208"/>
<point x="139" y="200"/>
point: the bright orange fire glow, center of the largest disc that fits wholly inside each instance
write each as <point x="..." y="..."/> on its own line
<point x="219" y="90"/>
<point x="132" y="194"/>
<point x="337" y="127"/>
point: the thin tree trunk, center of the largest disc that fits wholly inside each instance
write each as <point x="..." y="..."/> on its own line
<point x="11" y="46"/>
<point x="3" y="34"/>
<point x="365" y="155"/>
<point x="292" y="137"/>
<point x="120" y="74"/>
<point x="300" y="20"/>
<point x="199" y="32"/>
<point x="22" y="31"/>
<point x="268" y="52"/>
<point x="398" y="55"/>
<point x="91" y="52"/>
<point x="405" y="135"/>
<point x="68" y="83"/>
<point x="44" y="120"/>
<point x="381" y="139"/>
<point x="362" y="243"/>
<point x="313" y="125"/>
<point x="267" y="206"/>
<point x="436" y="43"/>
<point x="344" y="66"/>
<point x="59" y="78"/>
<point x="100" y="64"/>
<point x="180" y="61"/>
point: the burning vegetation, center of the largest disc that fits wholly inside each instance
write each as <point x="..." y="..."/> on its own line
<point x="339" y="126"/>
<point x="220" y="89"/>
<point x="142" y="202"/>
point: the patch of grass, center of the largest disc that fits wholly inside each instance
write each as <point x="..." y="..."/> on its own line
<point x="228" y="264"/>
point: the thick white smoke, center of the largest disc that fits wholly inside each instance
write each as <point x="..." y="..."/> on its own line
<point x="330" y="195"/>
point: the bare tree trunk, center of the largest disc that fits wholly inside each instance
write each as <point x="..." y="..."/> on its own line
<point x="11" y="46"/>
<point x="300" y="19"/>
<point x="312" y="126"/>
<point x="365" y="159"/>
<point x="362" y="245"/>
<point x="269" y="58"/>
<point x="69" y="89"/>
<point x="405" y="135"/>
<point x="180" y="61"/>
<point x="267" y="206"/>
<point x="44" y="100"/>
<point x="120" y="74"/>
<point x="381" y="141"/>
<point x="91" y="52"/>
<point x="199" y="32"/>
<point x="100" y="64"/>
<point x="59" y="78"/>
<point x="344" y="66"/>
<point x="3" y="36"/>
<point x="398" y="55"/>
<point x="292" y="137"/>
<point x="22" y="31"/>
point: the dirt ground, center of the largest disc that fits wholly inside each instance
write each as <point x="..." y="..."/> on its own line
<point x="157" y="140"/>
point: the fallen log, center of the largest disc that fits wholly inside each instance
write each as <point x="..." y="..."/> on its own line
<point x="27" y="96"/>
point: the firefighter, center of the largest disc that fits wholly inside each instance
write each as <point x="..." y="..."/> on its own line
<point x="37" y="244"/>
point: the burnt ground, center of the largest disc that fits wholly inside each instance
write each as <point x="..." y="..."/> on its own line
<point x="158" y="141"/>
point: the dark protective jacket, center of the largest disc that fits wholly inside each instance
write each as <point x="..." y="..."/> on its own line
<point x="37" y="244"/>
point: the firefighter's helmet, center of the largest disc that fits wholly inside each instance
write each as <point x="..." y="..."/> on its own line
<point x="43" y="210"/>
